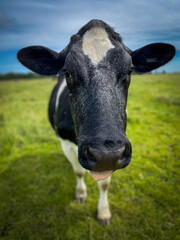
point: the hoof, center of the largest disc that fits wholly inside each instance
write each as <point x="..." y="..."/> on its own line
<point x="104" y="222"/>
<point x="104" y="216"/>
<point x="80" y="200"/>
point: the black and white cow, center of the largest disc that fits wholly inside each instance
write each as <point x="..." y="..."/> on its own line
<point x="87" y="108"/>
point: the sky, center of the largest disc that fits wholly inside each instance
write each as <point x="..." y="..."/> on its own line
<point x="51" y="23"/>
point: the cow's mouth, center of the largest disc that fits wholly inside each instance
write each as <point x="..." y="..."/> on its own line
<point x="101" y="175"/>
<point x="97" y="176"/>
<point x="102" y="163"/>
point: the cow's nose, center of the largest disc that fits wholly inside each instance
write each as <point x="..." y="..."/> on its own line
<point x="104" y="160"/>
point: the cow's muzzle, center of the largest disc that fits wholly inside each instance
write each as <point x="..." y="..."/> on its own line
<point x="106" y="159"/>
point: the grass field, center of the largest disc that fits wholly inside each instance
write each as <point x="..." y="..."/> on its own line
<point x="37" y="184"/>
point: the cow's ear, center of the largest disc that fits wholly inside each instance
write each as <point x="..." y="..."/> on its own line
<point x="41" y="60"/>
<point x="152" y="56"/>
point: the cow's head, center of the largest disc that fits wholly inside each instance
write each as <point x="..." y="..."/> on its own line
<point x="98" y="66"/>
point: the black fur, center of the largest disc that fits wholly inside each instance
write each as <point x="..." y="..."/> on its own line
<point x="152" y="56"/>
<point x="61" y="120"/>
<point x="92" y="109"/>
<point x="41" y="60"/>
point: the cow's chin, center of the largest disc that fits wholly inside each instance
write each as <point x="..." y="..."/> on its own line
<point x="101" y="175"/>
<point x="97" y="176"/>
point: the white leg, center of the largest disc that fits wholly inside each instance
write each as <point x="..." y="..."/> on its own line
<point x="71" y="153"/>
<point x="104" y="213"/>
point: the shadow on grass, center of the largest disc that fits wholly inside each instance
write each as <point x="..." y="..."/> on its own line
<point x="37" y="198"/>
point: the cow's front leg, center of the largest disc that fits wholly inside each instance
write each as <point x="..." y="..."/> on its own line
<point x="104" y="214"/>
<point x="70" y="151"/>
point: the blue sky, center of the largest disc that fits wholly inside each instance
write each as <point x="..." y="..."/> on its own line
<point x="52" y="22"/>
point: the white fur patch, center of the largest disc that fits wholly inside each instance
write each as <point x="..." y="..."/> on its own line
<point x="70" y="150"/>
<point x="103" y="205"/>
<point x="60" y="90"/>
<point x="96" y="44"/>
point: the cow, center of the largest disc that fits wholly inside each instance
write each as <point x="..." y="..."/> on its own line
<point x="87" y="107"/>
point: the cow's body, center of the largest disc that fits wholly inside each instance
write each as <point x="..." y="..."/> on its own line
<point x="87" y="108"/>
<point x="59" y="112"/>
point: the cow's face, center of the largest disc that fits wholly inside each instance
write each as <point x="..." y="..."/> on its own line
<point x="97" y="70"/>
<point x="97" y="66"/>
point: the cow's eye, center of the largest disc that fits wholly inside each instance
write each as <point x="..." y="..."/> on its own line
<point x="69" y="79"/>
<point x="67" y="74"/>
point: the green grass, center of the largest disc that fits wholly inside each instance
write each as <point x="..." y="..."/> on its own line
<point x="37" y="184"/>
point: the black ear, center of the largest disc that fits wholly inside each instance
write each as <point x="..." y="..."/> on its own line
<point x="152" y="56"/>
<point x="41" y="60"/>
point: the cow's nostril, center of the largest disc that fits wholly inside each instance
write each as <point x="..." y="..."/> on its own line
<point x="89" y="155"/>
<point x="109" y="143"/>
<point x="119" y="142"/>
<point x="128" y="149"/>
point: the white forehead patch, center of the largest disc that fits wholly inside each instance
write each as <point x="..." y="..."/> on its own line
<point x="96" y="44"/>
